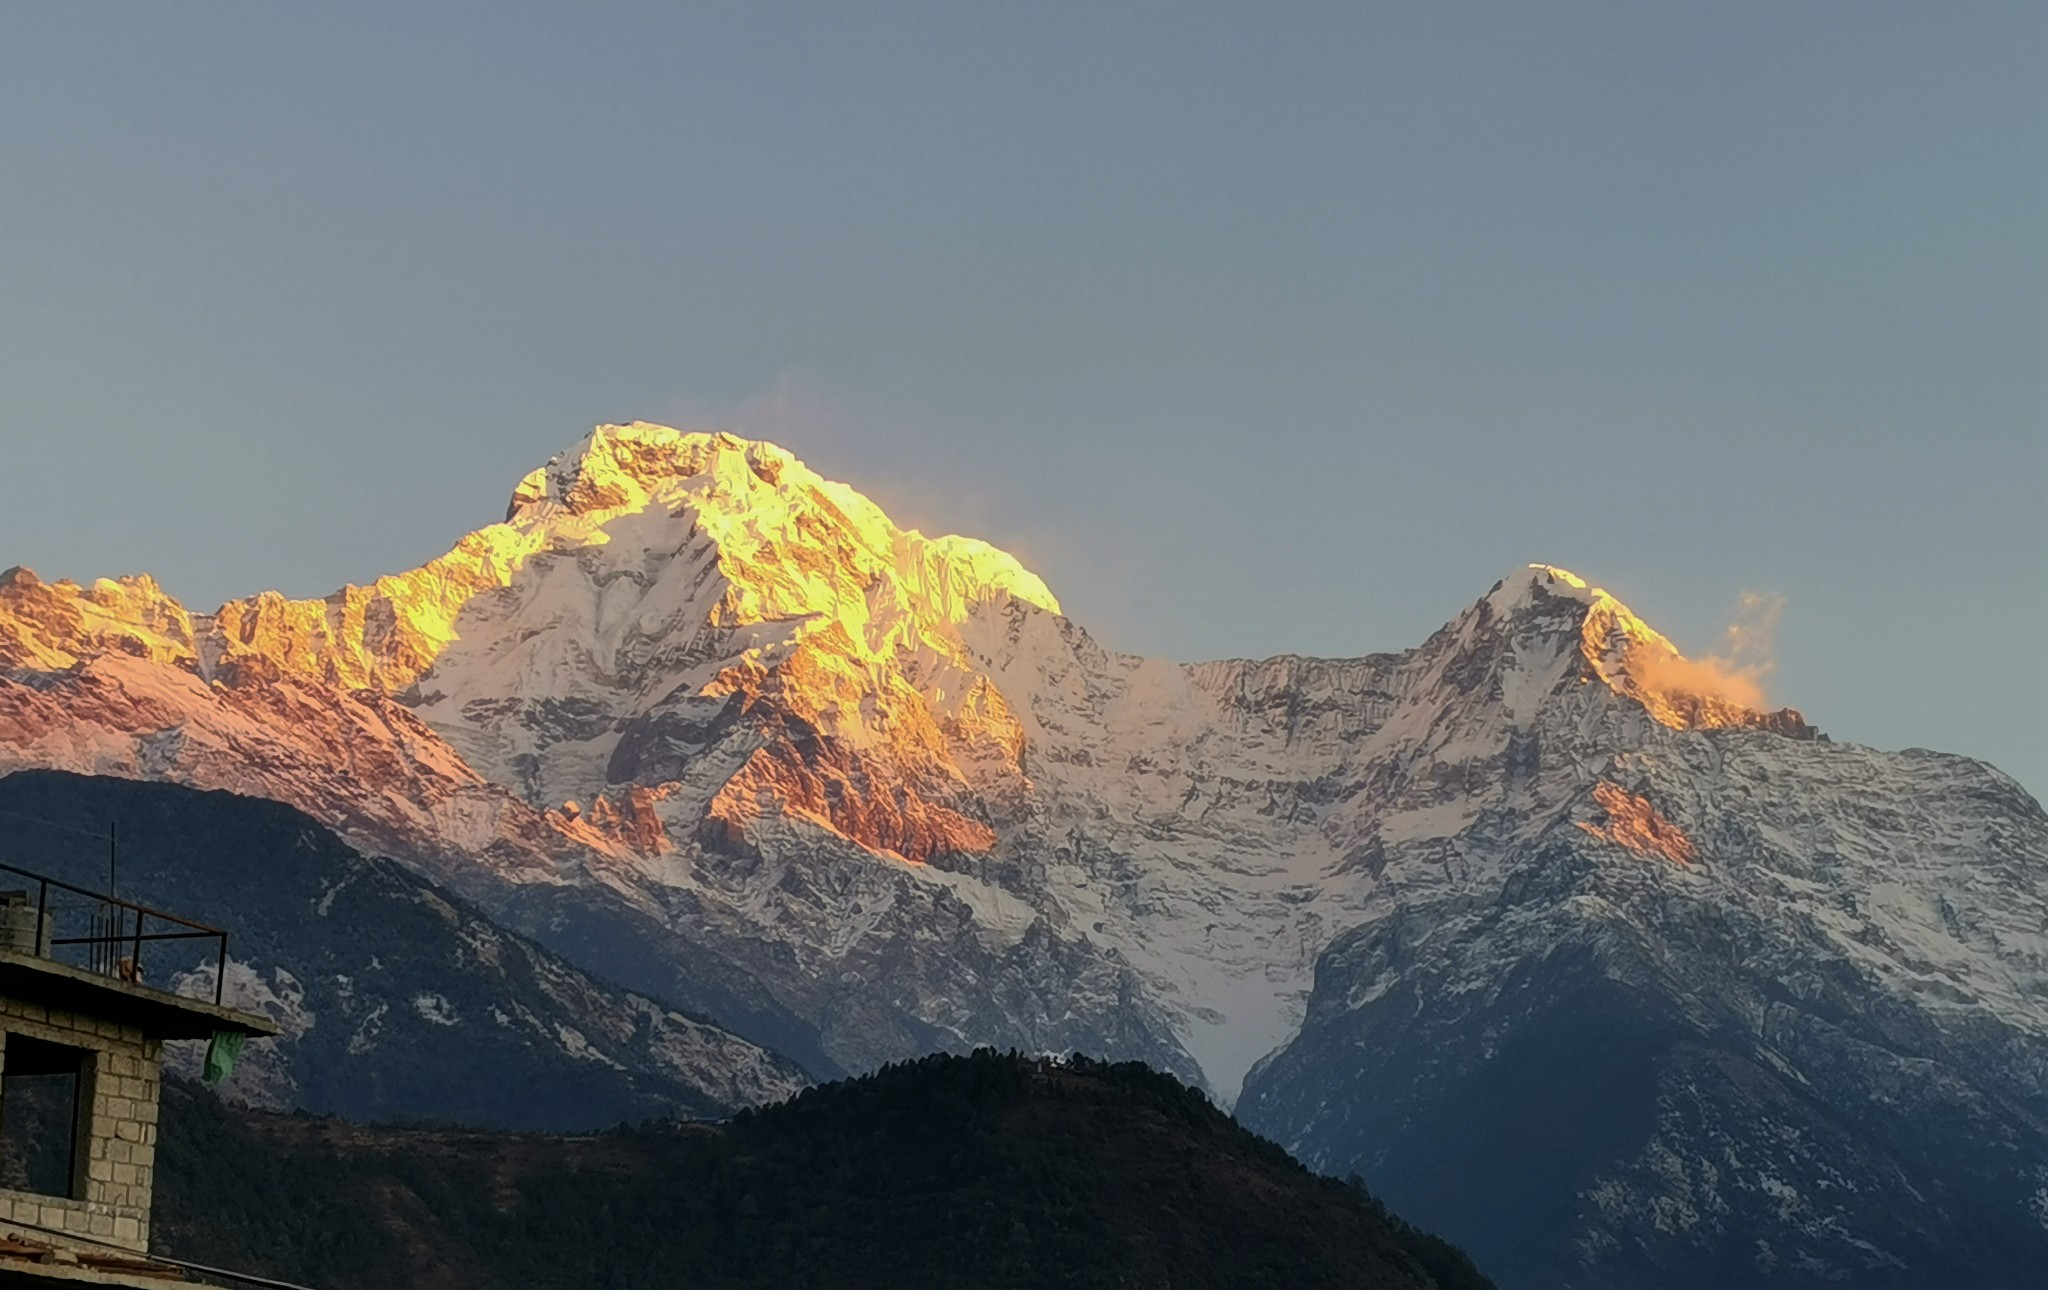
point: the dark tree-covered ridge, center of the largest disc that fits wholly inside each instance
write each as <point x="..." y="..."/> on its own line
<point x="986" y="1170"/>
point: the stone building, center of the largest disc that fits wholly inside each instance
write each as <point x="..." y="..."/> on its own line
<point x="81" y="1040"/>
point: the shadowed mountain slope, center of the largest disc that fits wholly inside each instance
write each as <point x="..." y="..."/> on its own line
<point x="394" y="999"/>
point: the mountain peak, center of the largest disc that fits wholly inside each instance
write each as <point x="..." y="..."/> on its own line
<point x="1526" y="583"/>
<point x="761" y="503"/>
<point x="1637" y="661"/>
<point x="618" y="467"/>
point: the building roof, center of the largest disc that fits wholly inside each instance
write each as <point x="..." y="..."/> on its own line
<point x="157" y="1013"/>
<point x="25" y="1261"/>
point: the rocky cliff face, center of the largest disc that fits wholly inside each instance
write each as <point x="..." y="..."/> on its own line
<point x="713" y="725"/>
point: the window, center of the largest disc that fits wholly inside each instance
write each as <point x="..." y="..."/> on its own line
<point x="40" y="1091"/>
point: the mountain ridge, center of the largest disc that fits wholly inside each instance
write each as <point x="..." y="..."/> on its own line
<point x="731" y="738"/>
<point x="680" y="641"/>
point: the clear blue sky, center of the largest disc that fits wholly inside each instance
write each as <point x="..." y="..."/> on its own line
<point x="1253" y="328"/>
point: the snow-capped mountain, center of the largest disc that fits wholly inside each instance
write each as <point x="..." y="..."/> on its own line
<point x="714" y="726"/>
<point x="704" y="722"/>
<point x="1704" y="1007"/>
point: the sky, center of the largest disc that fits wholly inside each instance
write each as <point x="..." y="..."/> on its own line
<point x="1251" y="328"/>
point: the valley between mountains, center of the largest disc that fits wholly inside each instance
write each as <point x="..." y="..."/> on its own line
<point x="1592" y="967"/>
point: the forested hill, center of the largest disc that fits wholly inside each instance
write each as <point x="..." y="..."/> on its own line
<point x="987" y="1170"/>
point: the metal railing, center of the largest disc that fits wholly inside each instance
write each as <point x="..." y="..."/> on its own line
<point x="69" y="923"/>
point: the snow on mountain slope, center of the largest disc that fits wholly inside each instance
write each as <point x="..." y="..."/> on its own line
<point x="1219" y="822"/>
<point x="1723" y="1016"/>
<point x="1706" y="1006"/>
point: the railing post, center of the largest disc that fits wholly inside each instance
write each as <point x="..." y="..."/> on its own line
<point x="42" y="913"/>
<point x="135" y="958"/>
<point x="220" y="973"/>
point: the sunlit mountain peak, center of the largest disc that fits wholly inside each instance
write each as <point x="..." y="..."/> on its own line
<point x="1639" y="662"/>
<point x="750" y="495"/>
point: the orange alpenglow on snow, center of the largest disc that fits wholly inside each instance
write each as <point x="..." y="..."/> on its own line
<point x="683" y="631"/>
<point x="648" y="581"/>
<point x="1637" y="661"/>
<point x="1631" y="822"/>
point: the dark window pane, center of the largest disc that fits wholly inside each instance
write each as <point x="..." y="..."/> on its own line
<point x="39" y="1090"/>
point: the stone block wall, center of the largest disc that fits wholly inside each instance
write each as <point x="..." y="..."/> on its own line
<point x="114" y="1160"/>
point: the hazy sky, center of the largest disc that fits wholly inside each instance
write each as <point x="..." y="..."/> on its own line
<point x="1253" y="328"/>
